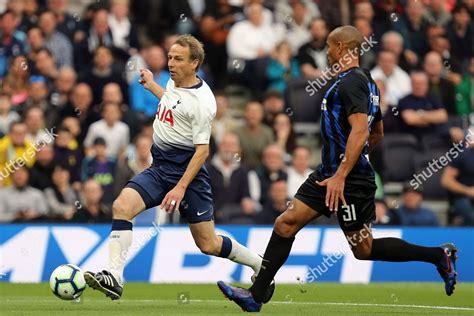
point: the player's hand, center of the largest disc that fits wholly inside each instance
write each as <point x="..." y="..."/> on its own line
<point x="334" y="191"/>
<point x="146" y="78"/>
<point x="173" y="199"/>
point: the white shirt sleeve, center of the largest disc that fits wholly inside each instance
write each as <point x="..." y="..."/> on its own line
<point x="91" y="135"/>
<point x="201" y="119"/>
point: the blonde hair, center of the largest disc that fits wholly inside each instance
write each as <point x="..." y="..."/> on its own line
<point x="196" y="48"/>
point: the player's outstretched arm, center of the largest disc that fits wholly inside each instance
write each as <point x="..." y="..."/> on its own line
<point x="146" y="80"/>
<point x="195" y="164"/>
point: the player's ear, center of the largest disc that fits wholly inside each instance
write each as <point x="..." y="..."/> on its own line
<point x="195" y="64"/>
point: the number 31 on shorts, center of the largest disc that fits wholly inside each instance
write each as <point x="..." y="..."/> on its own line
<point x="349" y="213"/>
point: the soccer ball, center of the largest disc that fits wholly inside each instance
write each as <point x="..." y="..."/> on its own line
<point x="67" y="282"/>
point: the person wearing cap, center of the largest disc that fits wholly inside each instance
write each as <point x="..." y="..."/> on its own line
<point x="411" y="213"/>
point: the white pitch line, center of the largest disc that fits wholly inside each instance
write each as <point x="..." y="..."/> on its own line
<point x="329" y="303"/>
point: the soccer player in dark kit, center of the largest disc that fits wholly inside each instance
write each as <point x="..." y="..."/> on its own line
<point x="344" y="183"/>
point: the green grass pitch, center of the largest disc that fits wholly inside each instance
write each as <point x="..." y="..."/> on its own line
<point x="192" y="299"/>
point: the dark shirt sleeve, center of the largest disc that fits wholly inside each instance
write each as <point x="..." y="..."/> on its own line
<point x="354" y="94"/>
<point x="304" y="58"/>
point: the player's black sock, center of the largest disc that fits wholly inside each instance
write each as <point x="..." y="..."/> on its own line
<point x="398" y="250"/>
<point x="277" y="252"/>
<point x="226" y="247"/>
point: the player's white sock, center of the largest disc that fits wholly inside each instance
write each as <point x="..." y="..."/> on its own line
<point x="234" y="251"/>
<point x="120" y="240"/>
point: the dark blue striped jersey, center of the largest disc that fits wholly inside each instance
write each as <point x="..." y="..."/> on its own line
<point x="354" y="91"/>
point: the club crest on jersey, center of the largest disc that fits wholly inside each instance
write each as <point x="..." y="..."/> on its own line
<point x="323" y="105"/>
<point x="165" y="115"/>
<point x="177" y="103"/>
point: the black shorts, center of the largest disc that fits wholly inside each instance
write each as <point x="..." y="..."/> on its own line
<point x="360" y="208"/>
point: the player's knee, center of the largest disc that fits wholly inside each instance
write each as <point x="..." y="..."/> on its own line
<point x="119" y="209"/>
<point x="208" y="249"/>
<point x="361" y="253"/>
<point x="284" y="226"/>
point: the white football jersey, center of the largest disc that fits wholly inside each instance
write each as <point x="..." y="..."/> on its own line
<point x="184" y="117"/>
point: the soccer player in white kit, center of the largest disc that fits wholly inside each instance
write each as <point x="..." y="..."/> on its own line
<point x="182" y="130"/>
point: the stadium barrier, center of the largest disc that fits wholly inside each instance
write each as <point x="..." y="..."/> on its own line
<point x="167" y="254"/>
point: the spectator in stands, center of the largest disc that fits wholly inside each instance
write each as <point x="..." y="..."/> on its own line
<point x="461" y="34"/>
<point x="100" y="168"/>
<point x="397" y="82"/>
<point x="384" y="215"/>
<point x="393" y="41"/>
<point x="35" y="42"/>
<point x="421" y="112"/>
<point x="61" y="197"/>
<point x="80" y="106"/>
<point x="218" y="18"/>
<point x="253" y="136"/>
<point x="465" y="92"/>
<point x="299" y="169"/>
<point x="15" y="148"/>
<point x="124" y="33"/>
<point x="436" y="13"/>
<point x="115" y="132"/>
<point x="297" y="26"/>
<point x="70" y="157"/>
<point x="452" y="67"/>
<point x="272" y="169"/>
<point x="63" y="86"/>
<point x="229" y="181"/>
<point x="439" y="86"/>
<point x="273" y="104"/>
<point x="141" y="99"/>
<point x="284" y="134"/>
<point x="282" y="68"/>
<point x="41" y="174"/>
<point x="15" y="83"/>
<point x="411" y="213"/>
<point x="9" y="44"/>
<point x="369" y="58"/>
<point x="46" y="67"/>
<point x="38" y="97"/>
<point x="223" y="121"/>
<point x="56" y="42"/>
<point x="66" y="23"/>
<point x="277" y="203"/>
<point x="74" y="126"/>
<point x="20" y="202"/>
<point x="413" y="26"/>
<point x="6" y="116"/>
<point x="34" y="120"/>
<point x="91" y="209"/>
<point x="30" y="15"/>
<point x="458" y="179"/>
<point x="249" y="44"/>
<point x="312" y="55"/>
<point x="134" y="165"/>
<point x="113" y="94"/>
<point x="101" y="73"/>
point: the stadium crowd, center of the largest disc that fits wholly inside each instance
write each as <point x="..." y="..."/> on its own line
<point x="76" y="125"/>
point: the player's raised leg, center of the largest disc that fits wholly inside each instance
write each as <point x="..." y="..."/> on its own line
<point x="125" y="208"/>
<point x="278" y="249"/>
<point x="364" y="247"/>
